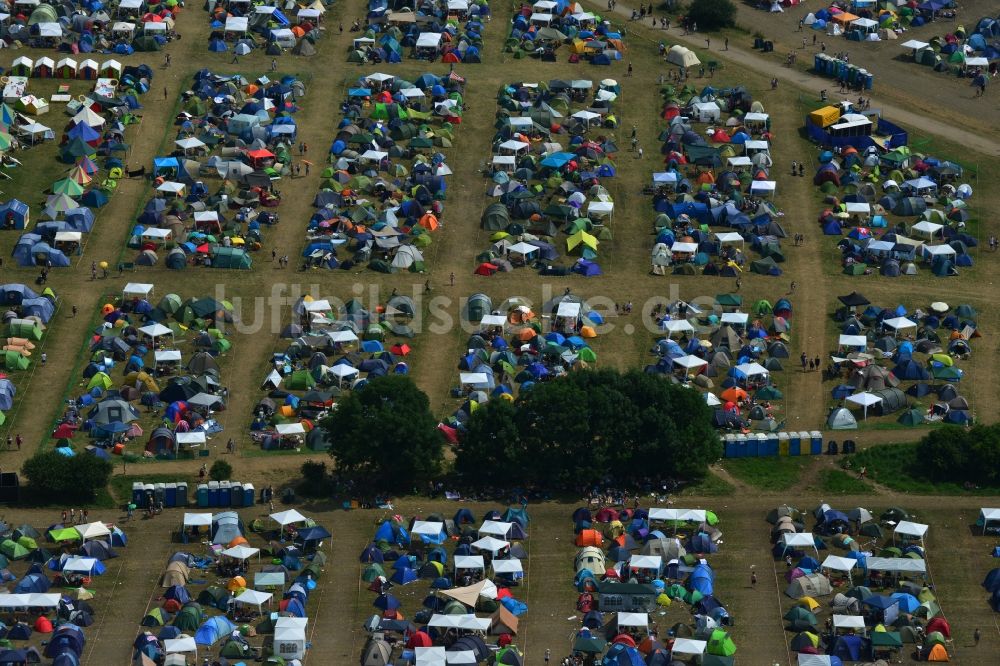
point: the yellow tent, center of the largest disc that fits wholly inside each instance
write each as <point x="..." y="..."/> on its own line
<point x="581" y="239"/>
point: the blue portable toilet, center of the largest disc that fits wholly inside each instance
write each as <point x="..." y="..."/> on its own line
<point x="805" y="449"/>
<point x="137" y="493"/>
<point x="182" y="494"/>
<point x="741" y="445"/>
<point x="248" y="494"/>
<point x="235" y="493"/>
<point x="782" y="443"/>
<point x="753" y="446"/>
<point x="171" y="496"/>
<point x="202" y="495"/>
<point x="225" y="498"/>
<point x="772" y="444"/>
<point x="730" y="446"/>
<point x="816" y="442"/>
<point x="794" y="443"/>
<point x="213" y="493"/>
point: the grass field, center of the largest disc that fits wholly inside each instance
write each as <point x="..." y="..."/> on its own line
<point x="741" y="492"/>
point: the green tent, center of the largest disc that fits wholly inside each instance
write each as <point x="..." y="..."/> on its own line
<point x="886" y="639"/>
<point x="911" y="417"/>
<point x="64" y="534"/>
<point x="300" y="380"/>
<point x="14" y="360"/>
<point x="24" y="328"/>
<point x="800" y="619"/>
<point x="230" y="257"/>
<point x="100" y="380"/>
<point x="763" y="307"/>
<point x="156" y="617"/>
<point x="587" y="354"/>
<point x="729" y="300"/>
<point x="13" y="550"/>
<point x="721" y="644"/>
<point x="27" y="542"/>
<point x="371" y="572"/>
<point x="189" y="618"/>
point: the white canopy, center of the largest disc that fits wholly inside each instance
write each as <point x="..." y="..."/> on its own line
<point x="290" y="429"/>
<point x="907" y="528"/>
<point x="166" y="356"/>
<point x="799" y="539"/>
<point x="254" y="598"/>
<point x="33" y="600"/>
<point x="69" y="236"/>
<point x="645" y="562"/>
<point x="491" y="544"/>
<point x="914" y="44"/>
<point x="935" y="250"/>
<point x="342" y="337"/>
<point x="80" y="564"/>
<point x="677" y="326"/>
<point x="865" y="400"/>
<point x="633" y="619"/>
<point x="839" y="563"/>
<point x="181" y="644"/>
<point x="469" y="562"/>
<point x="848" y="622"/>
<point x="729" y="237"/>
<point x="192" y="438"/>
<point x="429" y="40"/>
<point x="93" y="530"/>
<point x="899" y="323"/>
<point x="427" y="528"/>
<point x="493" y="320"/>
<point x="684" y="248"/>
<point x="987" y="515"/>
<point x="343" y="370"/>
<point x="763" y="186"/>
<point x="689" y="646"/>
<point x="741" y="161"/>
<point x="686" y="515"/>
<point x="852" y="341"/>
<point x="511" y="566"/>
<point x="857" y="208"/>
<point x="241" y="552"/>
<point x="474" y="379"/>
<point x="896" y="565"/>
<point x="497" y="528"/>
<point x="568" y="309"/>
<point x="737" y="318"/>
<point x="470" y="622"/>
<point x="197" y="519"/>
<point x="189" y="143"/>
<point x="752" y="369"/>
<point x="664" y="177"/>
<point x="155" y="330"/>
<point x="523" y="248"/>
<point x="926" y="227"/>
<point x="690" y="362"/>
<point x="511" y="144"/>
<point x="140" y="289"/>
<point x="237" y="24"/>
<point x="288" y="517"/>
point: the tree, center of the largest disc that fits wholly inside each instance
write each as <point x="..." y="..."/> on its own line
<point x="220" y="471"/>
<point x="385" y="435"/>
<point x="712" y="14"/>
<point x="954" y="454"/>
<point x="586" y="426"/>
<point x="56" y="477"/>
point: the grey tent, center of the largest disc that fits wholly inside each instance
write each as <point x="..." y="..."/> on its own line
<point x="201" y="363"/>
<point x="810" y="585"/>
<point x="495" y="217"/>
<point x="893" y="400"/>
<point x="376" y="653"/>
<point x="841" y="419"/>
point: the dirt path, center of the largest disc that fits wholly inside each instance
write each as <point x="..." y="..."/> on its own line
<point x="738" y="55"/>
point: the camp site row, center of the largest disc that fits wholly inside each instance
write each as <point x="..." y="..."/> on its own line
<point x="24" y="324"/>
<point x="762" y="444"/>
<point x="212" y="494"/>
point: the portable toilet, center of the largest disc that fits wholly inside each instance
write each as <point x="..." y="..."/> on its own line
<point x="202" y="495"/>
<point x="753" y="446"/>
<point x="729" y="446"/>
<point x="147" y="490"/>
<point x="741" y="446"/>
<point x="816" y="442"/>
<point x="213" y="493"/>
<point x="235" y="494"/>
<point x="248" y="494"/>
<point x="160" y="492"/>
<point x="782" y="443"/>
<point x="771" y="448"/>
<point x="805" y="448"/>
<point x="794" y="443"/>
<point x="182" y="494"/>
<point x="764" y="444"/>
<point x="225" y="498"/>
<point x="171" y="500"/>
<point x="137" y="493"/>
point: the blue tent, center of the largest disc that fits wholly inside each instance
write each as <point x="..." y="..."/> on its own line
<point x="213" y="630"/>
<point x="701" y="579"/>
<point x="33" y="582"/>
<point x="13" y="214"/>
<point x="404" y="576"/>
<point x="848" y="648"/>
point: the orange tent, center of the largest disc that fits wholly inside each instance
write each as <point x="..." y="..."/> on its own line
<point x="238" y="541"/>
<point x="734" y="394"/>
<point x="429" y="221"/>
<point x="236" y="583"/>
<point x="589" y="538"/>
<point x="588" y="332"/>
<point x="937" y="653"/>
<point x="527" y="334"/>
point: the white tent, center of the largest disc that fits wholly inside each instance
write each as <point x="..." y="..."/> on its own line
<point x="429" y="40"/>
<point x="690" y="362"/>
<point x="855" y="622"/>
<point x="864" y="400"/>
<point x="254" y="598"/>
<point x="288" y="517"/>
<point x="289" y="429"/>
<point x="495" y="528"/>
<point x="93" y="530"/>
<point x="80" y="564"/>
<point x="511" y="566"/>
<point x="183" y="643"/>
<point x="814" y="660"/>
<point x="290" y="637"/>
<point x="800" y="540"/>
<point x="896" y="565"/>
<point x="193" y="438"/>
<point x="491" y="544"/>
<point x="910" y="529"/>
<point x="241" y="552"/>
<point x="988" y="516"/>
<point x="735" y="318"/>
<point x="899" y="323"/>
<point x="137" y="290"/>
<point x="842" y="564"/>
<point x="197" y="519"/>
<point x="166" y="356"/>
<point x="427" y="528"/>
<point x="155" y="330"/>
<point x="676" y="326"/>
<point x="237" y="24"/>
<point x="852" y="341"/>
<point x="469" y="622"/>
<point x="474" y="380"/>
<point x="927" y="228"/>
<point x="689" y="646"/>
<point x="653" y="562"/>
<point x="474" y="562"/>
<point x="633" y="620"/>
<point x="683" y="515"/>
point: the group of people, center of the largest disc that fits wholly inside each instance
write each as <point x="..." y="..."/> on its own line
<point x="811" y="363"/>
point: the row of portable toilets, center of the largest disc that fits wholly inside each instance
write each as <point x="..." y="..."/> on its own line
<point x="841" y="70"/>
<point x="763" y="444"/>
<point x="211" y="494"/>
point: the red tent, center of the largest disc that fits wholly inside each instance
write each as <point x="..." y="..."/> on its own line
<point x="43" y="625"/>
<point x="486" y="269"/>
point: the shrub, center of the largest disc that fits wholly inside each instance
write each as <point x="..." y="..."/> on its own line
<point x="220" y="471"/>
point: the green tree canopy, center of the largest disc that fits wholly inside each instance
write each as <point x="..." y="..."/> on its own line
<point x="958" y="455"/>
<point x="385" y="436"/>
<point x="220" y="471"/>
<point x="712" y="14"/>
<point x="57" y="477"/>
<point x="587" y="425"/>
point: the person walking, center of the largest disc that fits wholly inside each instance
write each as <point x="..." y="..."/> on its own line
<point x="451" y="278"/>
<point x="18" y="441"/>
<point x="753" y="579"/>
<point x="976" y="636"/>
<point x="45" y="357"/>
<point x="72" y="515"/>
<point x="274" y="65"/>
<point x="816" y="361"/>
<point x="739" y="283"/>
<point x="804" y="360"/>
<point x="629" y="73"/>
<point x="165" y="94"/>
<point x="74" y="310"/>
<point x="791" y="288"/>
<point x="63" y="517"/>
<point x="725" y="46"/>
